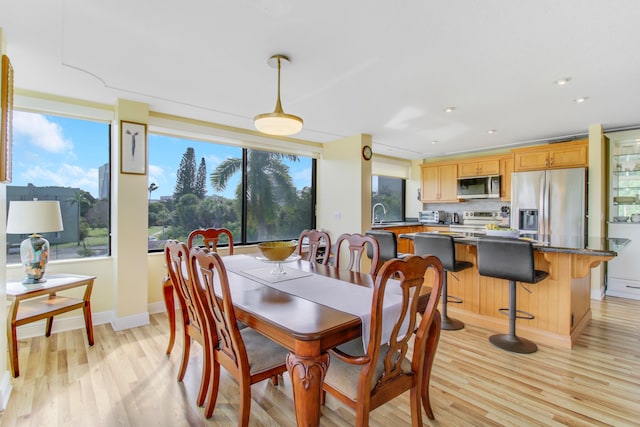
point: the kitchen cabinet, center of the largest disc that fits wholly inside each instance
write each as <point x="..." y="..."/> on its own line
<point x="506" y="168"/>
<point x="479" y="167"/>
<point x="560" y="155"/>
<point x="623" y="272"/>
<point x="625" y="179"/>
<point x="439" y="183"/>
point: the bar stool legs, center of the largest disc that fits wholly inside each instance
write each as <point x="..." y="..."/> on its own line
<point x="448" y="324"/>
<point x="511" y="342"/>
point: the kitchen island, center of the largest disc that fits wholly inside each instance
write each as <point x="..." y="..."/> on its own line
<point x="561" y="303"/>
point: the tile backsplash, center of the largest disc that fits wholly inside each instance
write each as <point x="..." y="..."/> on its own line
<point x="470" y="205"/>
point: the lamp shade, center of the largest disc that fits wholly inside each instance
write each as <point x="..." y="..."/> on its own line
<point x="34" y="216"/>
<point x="278" y="123"/>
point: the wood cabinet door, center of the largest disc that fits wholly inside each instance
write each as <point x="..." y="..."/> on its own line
<point x="530" y="160"/>
<point x="468" y="169"/>
<point x="506" y="168"/>
<point x="478" y="167"/>
<point x="448" y="183"/>
<point x="568" y="156"/>
<point x="489" y="167"/>
<point x="430" y="184"/>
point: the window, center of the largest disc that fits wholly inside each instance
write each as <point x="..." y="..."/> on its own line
<point x="64" y="159"/>
<point x="258" y="195"/>
<point x="391" y="193"/>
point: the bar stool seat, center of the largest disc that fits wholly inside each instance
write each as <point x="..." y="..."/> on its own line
<point x="443" y="247"/>
<point x="513" y="260"/>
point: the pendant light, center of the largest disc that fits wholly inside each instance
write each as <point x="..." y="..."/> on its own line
<point x="278" y="122"/>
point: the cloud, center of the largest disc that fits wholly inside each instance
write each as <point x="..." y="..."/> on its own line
<point x="65" y="176"/>
<point x="214" y="161"/>
<point x="155" y="171"/>
<point x="157" y="175"/>
<point x="302" y="178"/>
<point x="40" y="132"/>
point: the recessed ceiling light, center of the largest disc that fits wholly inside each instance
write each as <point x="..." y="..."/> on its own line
<point x="434" y="142"/>
<point x="449" y="109"/>
<point x="563" y="81"/>
<point x="580" y="100"/>
<point x="492" y="131"/>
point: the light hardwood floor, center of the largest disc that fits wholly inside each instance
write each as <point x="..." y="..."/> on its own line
<point x="127" y="380"/>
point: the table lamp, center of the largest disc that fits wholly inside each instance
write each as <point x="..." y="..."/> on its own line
<point x="33" y="217"/>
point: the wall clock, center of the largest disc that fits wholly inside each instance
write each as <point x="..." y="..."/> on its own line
<point x="366" y="152"/>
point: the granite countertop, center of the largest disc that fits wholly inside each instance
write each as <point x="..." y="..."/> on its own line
<point x="404" y="224"/>
<point x="597" y="246"/>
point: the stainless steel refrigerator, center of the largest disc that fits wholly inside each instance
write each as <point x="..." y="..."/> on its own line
<point x="550" y="206"/>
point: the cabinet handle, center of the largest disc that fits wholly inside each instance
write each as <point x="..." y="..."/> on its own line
<point x="551" y="161"/>
<point x="633" y="287"/>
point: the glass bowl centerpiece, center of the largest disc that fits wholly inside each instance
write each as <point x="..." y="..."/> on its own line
<point x="277" y="253"/>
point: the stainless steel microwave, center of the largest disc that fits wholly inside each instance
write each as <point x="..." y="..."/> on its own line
<point x="479" y="187"/>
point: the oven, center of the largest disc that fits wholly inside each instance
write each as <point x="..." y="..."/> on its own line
<point x="476" y="221"/>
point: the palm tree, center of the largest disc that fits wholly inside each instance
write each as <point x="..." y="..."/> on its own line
<point x="152" y="187"/>
<point x="268" y="181"/>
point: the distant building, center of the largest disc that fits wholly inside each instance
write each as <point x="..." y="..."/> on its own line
<point x="68" y="209"/>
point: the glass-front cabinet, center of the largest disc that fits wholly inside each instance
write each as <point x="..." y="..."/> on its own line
<point x="625" y="178"/>
<point x="623" y="271"/>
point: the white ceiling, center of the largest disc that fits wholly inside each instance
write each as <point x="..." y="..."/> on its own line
<point x="386" y="68"/>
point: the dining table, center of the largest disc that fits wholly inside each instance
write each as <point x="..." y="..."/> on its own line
<point x="306" y="309"/>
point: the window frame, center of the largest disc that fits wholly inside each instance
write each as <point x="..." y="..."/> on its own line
<point x="52" y="108"/>
<point x="153" y="130"/>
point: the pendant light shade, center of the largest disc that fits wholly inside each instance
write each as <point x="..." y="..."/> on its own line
<point x="278" y="122"/>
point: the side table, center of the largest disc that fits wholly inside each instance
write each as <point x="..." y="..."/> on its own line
<point x="23" y="311"/>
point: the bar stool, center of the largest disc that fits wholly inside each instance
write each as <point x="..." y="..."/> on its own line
<point x="388" y="243"/>
<point x="510" y="259"/>
<point x="443" y="247"/>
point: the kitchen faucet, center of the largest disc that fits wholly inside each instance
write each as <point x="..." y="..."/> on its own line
<point x="373" y="212"/>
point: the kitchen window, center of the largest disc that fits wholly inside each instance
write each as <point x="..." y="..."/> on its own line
<point x="390" y="192"/>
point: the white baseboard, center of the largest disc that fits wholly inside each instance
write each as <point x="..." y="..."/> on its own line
<point x="128" y="322"/>
<point x="63" y="324"/>
<point x="5" y="390"/>
<point x="597" y="294"/>
<point x="158" y="307"/>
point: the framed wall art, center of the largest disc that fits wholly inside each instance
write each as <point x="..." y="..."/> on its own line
<point x="6" y="130"/>
<point x="133" y="148"/>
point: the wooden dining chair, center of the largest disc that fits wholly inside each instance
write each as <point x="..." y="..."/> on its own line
<point x="247" y="355"/>
<point x="317" y="242"/>
<point x="365" y="378"/>
<point x="357" y="246"/>
<point x="210" y="238"/>
<point x="177" y="259"/>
